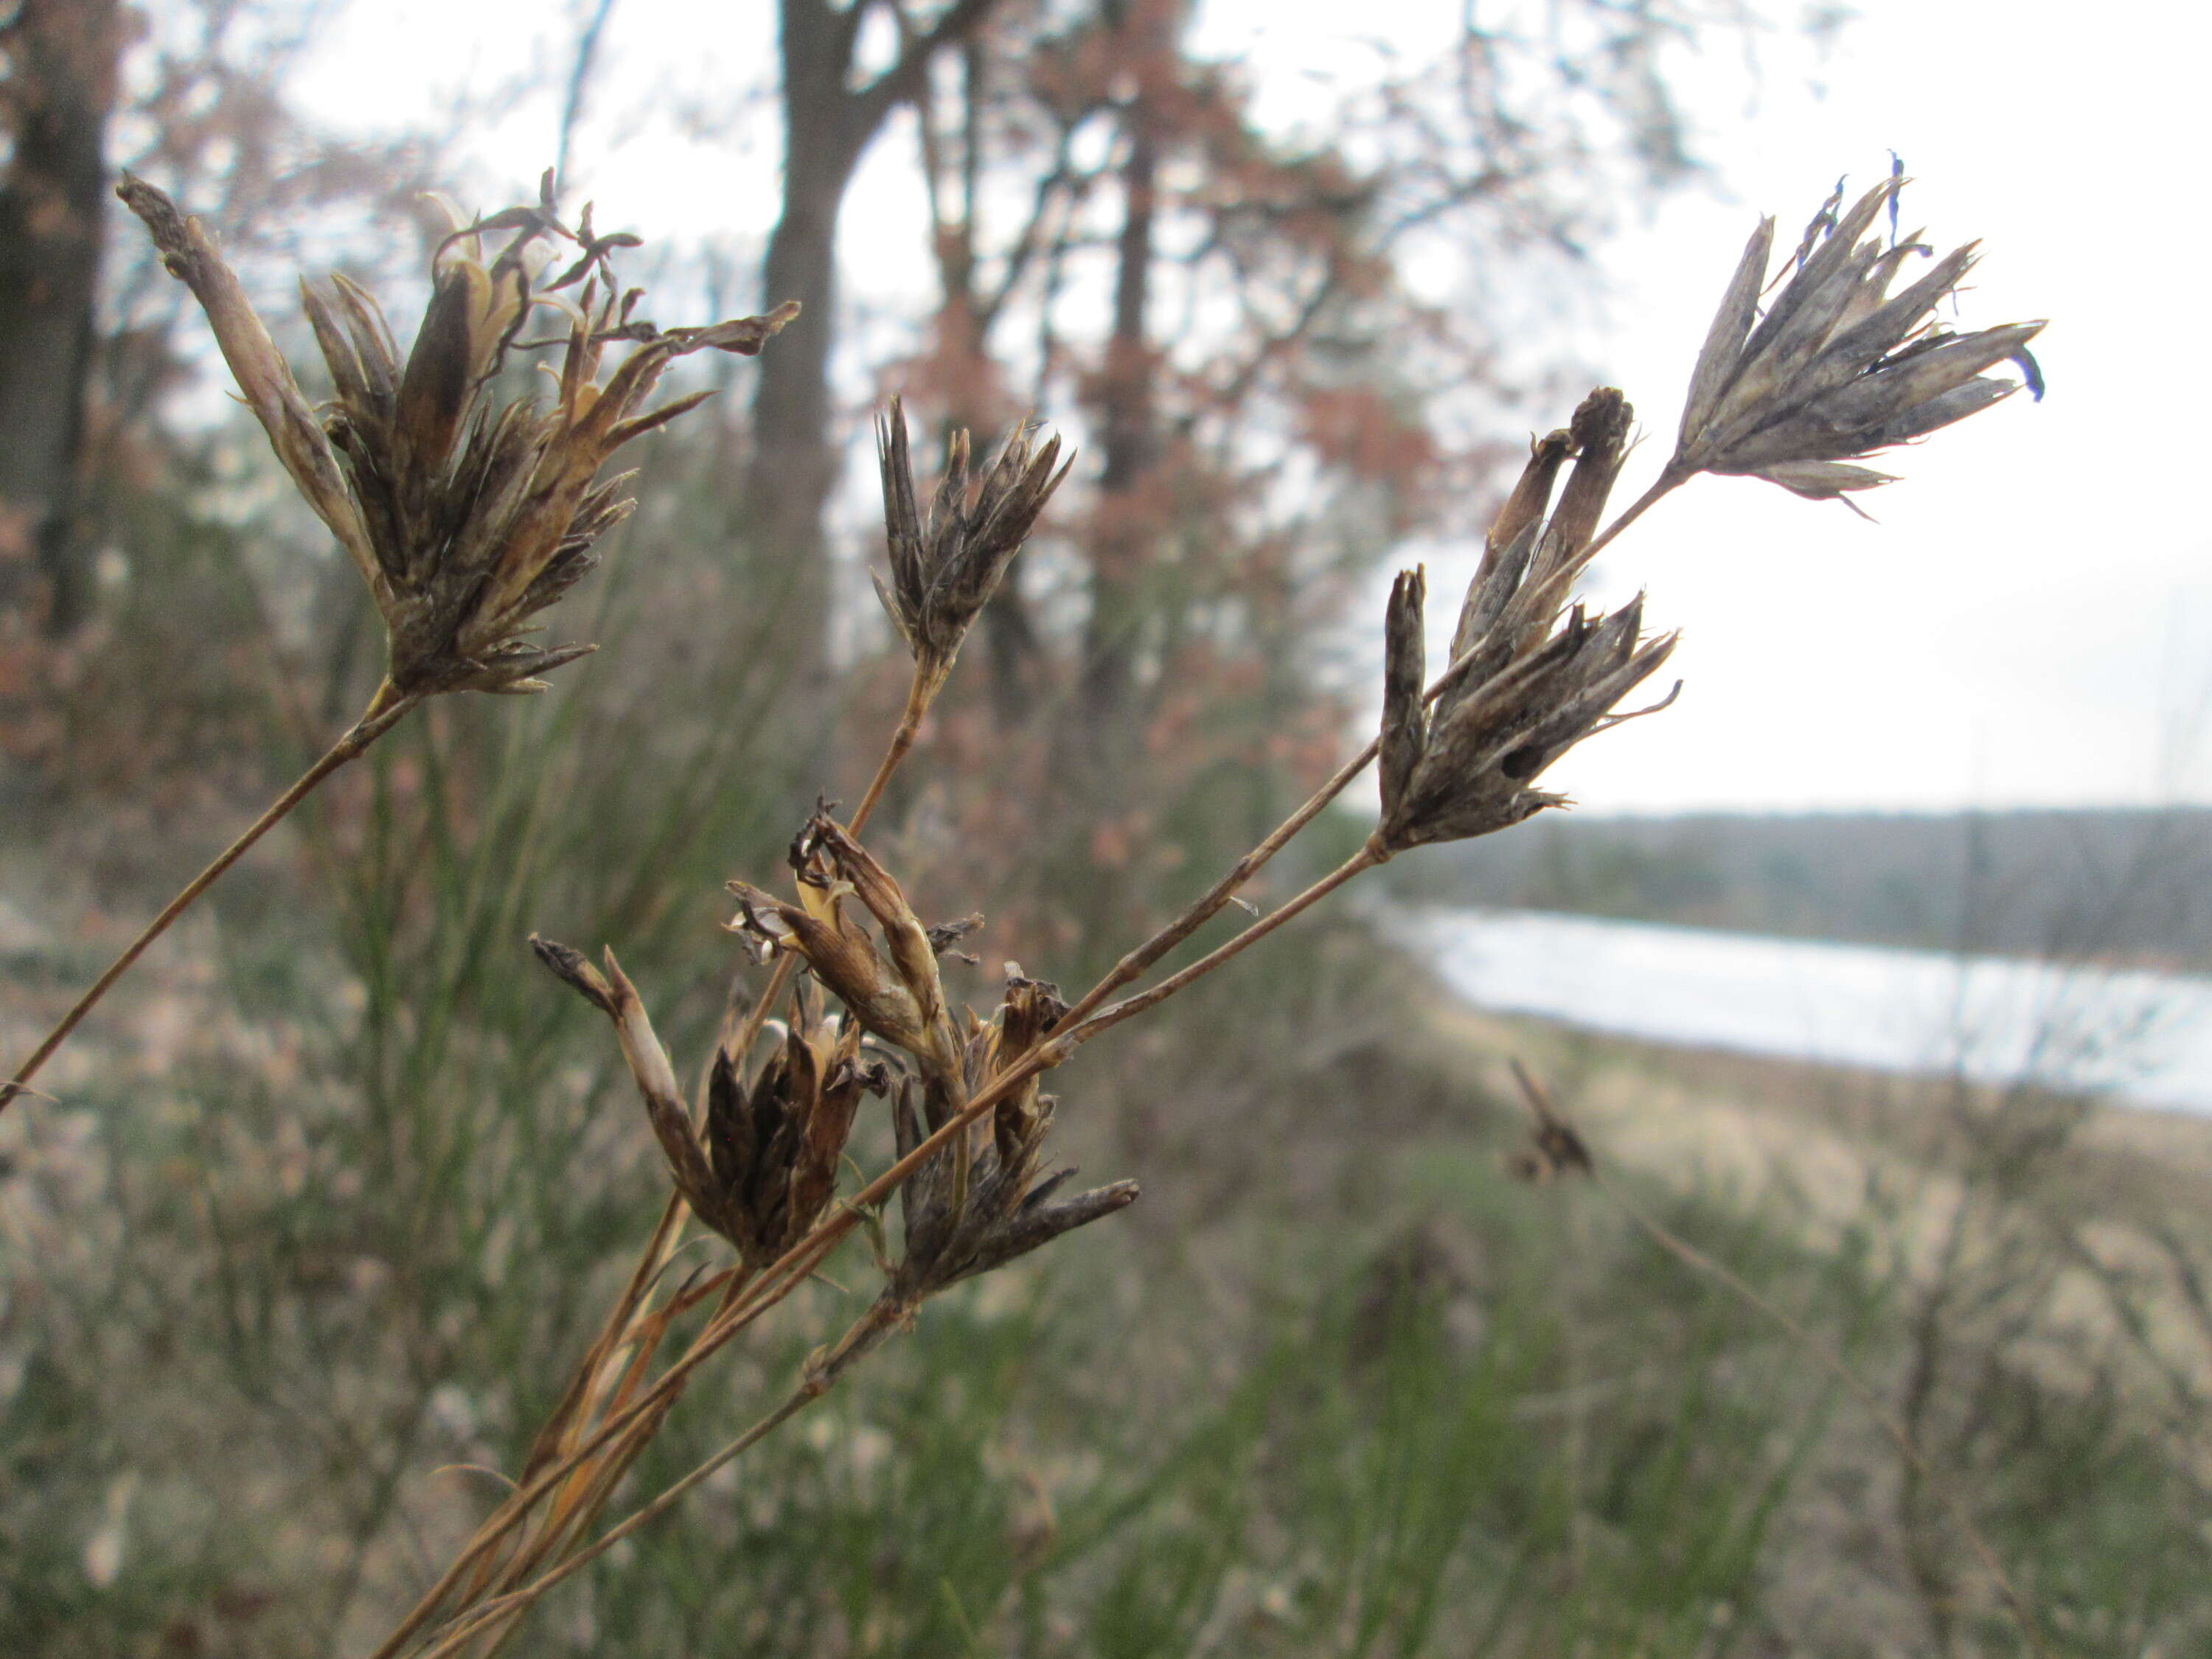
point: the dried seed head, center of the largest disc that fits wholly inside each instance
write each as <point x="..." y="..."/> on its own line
<point x="466" y="511"/>
<point x="1525" y="686"/>
<point x="979" y="1204"/>
<point x="765" y="1167"/>
<point x="946" y="565"/>
<point x="1837" y="368"/>
<point x="894" y="992"/>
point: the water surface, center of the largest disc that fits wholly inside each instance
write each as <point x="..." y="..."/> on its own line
<point x="2144" y="1037"/>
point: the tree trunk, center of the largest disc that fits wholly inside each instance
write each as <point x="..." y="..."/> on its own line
<point x="1121" y="546"/>
<point x="828" y="126"/>
<point x="63" y="57"/>
<point x="794" y="446"/>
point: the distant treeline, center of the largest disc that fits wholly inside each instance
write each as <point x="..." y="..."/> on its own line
<point x="2123" y="885"/>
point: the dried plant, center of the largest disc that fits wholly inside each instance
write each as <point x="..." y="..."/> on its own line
<point x="467" y="509"/>
<point x="1833" y="370"/>
<point x="946" y="564"/>
<point x="468" y="515"/>
<point x="1524" y="687"/>
<point x="1837" y="369"/>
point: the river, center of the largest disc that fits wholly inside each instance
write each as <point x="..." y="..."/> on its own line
<point x="2143" y="1038"/>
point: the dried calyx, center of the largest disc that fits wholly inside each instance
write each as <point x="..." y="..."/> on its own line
<point x="946" y="563"/>
<point x="1525" y="686"/>
<point x="766" y="1165"/>
<point x="894" y="992"/>
<point x="467" y="510"/>
<point x="1837" y="368"/>
<point x="981" y="1203"/>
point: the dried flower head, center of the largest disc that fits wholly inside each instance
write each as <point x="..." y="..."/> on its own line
<point x="946" y="565"/>
<point x="1837" y="369"/>
<point x="466" y="510"/>
<point x="1526" y="687"/>
<point x="894" y="992"/>
<point x="767" y="1166"/>
<point x="979" y="1204"/>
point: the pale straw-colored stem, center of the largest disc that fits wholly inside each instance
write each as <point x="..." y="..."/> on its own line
<point x="384" y="711"/>
<point x="917" y="697"/>
<point x="1365" y="859"/>
<point x="478" y="1619"/>
<point x="1216" y="898"/>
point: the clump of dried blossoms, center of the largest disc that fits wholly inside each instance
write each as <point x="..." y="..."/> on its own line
<point x="946" y="562"/>
<point x="467" y="508"/>
<point x="1837" y="368"/>
<point x="765" y="1164"/>
<point x="1523" y="688"/>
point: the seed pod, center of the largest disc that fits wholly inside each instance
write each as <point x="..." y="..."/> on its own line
<point x="1524" y="687"/>
<point x="467" y="511"/>
<point x="946" y="565"/>
<point x="895" y="993"/>
<point x="764" y="1166"/>
<point x="980" y="1204"/>
<point x="1837" y="368"/>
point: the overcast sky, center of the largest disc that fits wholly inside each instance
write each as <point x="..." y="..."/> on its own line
<point x="2031" y="620"/>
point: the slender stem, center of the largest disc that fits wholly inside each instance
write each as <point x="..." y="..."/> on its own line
<point x="1211" y="901"/>
<point x="721" y="1329"/>
<point x="1365" y="859"/>
<point x="1216" y="898"/>
<point x="918" y="697"/>
<point x="1876" y="1407"/>
<point x="1665" y="484"/>
<point x="917" y="705"/>
<point x="474" y="1622"/>
<point x="384" y="712"/>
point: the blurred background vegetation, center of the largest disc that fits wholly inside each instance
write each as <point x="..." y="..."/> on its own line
<point x="325" y="1206"/>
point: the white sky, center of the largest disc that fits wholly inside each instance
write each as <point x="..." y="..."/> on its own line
<point x="2030" y="622"/>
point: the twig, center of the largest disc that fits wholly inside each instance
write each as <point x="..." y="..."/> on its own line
<point x="475" y="1621"/>
<point x="384" y="711"/>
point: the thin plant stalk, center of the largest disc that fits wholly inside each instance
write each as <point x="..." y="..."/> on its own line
<point x="476" y="1621"/>
<point x="1365" y="859"/>
<point x="745" y="1303"/>
<point x="636" y="1421"/>
<point x="384" y="711"/>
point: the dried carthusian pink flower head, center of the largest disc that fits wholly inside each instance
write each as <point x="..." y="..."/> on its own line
<point x="894" y="992"/>
<point x="772" y="1146"/>
<point x="945" y="565"/>
<point x="979" y="1202"/>
<point x="1837" y="368"/>
<point x="1524" y="687"/>
<point x="467" y="511"/>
